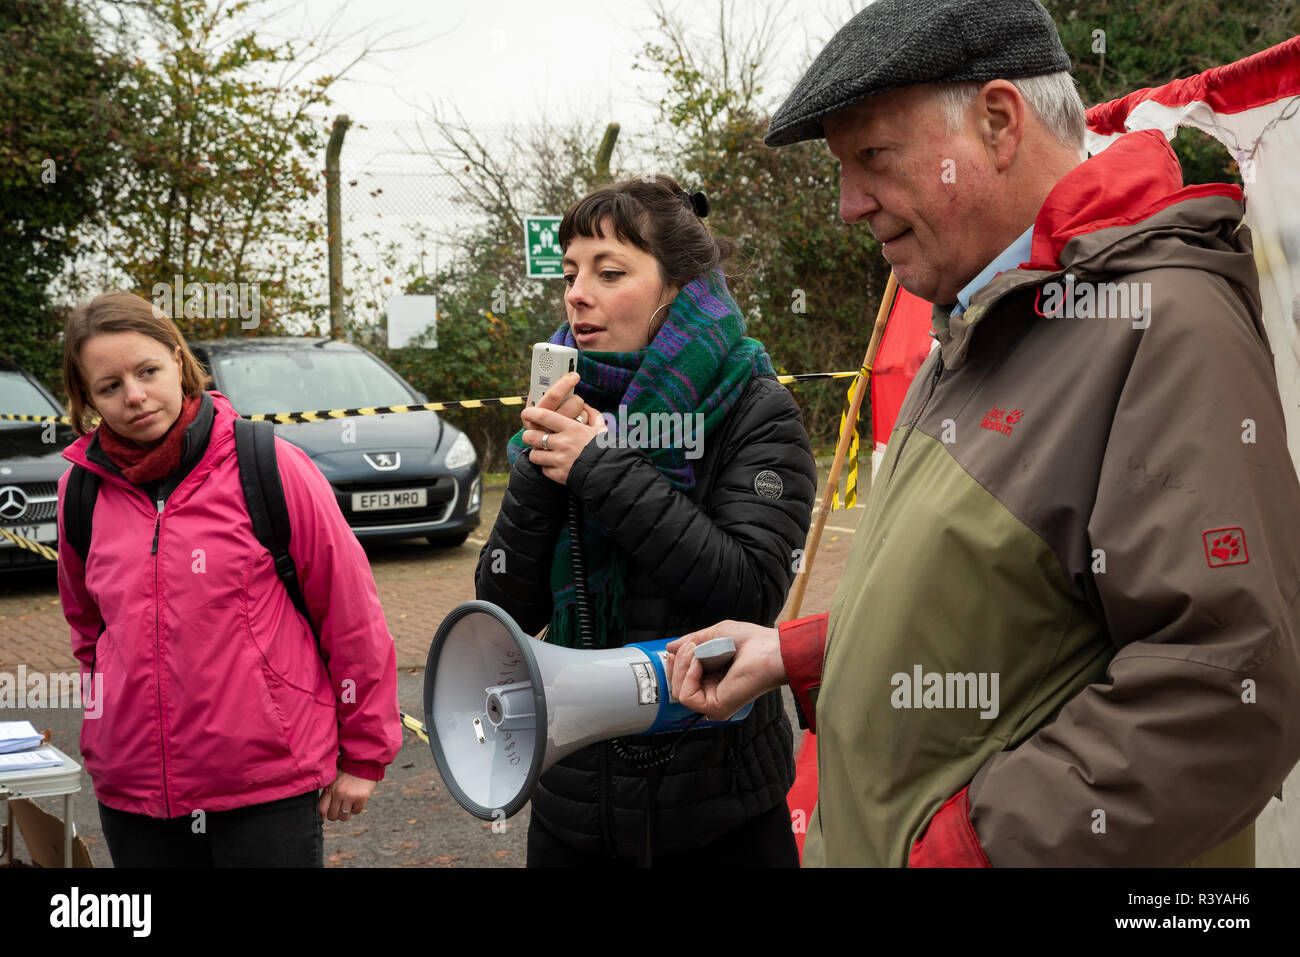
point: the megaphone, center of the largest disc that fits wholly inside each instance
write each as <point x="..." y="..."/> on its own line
<point x="501" y="707"/>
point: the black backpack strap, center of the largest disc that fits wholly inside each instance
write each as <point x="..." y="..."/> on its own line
<point x="79" y="509"/>
<point x="259" y="474"/>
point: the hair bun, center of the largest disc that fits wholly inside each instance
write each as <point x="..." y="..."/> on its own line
<point x="697" y="201"/>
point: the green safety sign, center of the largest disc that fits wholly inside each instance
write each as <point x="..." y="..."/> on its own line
<point x="542" y="247"/>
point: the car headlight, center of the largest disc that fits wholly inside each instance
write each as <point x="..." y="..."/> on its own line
<point x="461" y="453"/>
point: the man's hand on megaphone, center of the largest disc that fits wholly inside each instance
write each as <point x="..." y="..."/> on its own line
<point x="756" y="669"/>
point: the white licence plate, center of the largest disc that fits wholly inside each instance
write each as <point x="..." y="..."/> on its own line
<point x="46" y="533"/>
<point x="390" y="498"/>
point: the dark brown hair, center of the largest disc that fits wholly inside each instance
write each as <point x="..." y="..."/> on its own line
<point x="654" y="214"/>
<point x="119" y="311"/>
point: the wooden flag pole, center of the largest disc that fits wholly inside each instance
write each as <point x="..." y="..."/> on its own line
<point x="842" y="447"/>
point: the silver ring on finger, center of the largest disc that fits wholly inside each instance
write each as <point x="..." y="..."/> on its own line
<point x="545" y="436"/>
<point x="582" y="417"/>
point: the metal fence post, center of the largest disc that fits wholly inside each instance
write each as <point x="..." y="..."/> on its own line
<point x="605" y="151"/>
<point x="334" y="224"/>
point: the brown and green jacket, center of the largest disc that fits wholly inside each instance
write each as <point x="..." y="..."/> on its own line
<point x="1090" y="526"/>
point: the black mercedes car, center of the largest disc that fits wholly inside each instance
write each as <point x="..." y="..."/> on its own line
<point x="31" y="462"/>
<point x="398" y="475"/>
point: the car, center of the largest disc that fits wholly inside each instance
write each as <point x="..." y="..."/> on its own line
<point x="397" y="475"/>
<point x="31" y="463"/>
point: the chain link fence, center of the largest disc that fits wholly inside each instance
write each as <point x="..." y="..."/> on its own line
<point x="403" y="215"/>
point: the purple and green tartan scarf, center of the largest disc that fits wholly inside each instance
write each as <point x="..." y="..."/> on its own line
<point x="699" y="362"/>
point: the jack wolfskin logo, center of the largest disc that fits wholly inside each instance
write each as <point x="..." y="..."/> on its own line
<point x="1225" y="546"/>
<point x="1000" y="420"/>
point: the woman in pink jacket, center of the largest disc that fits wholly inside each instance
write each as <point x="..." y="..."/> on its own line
<point x="220" y="717"/>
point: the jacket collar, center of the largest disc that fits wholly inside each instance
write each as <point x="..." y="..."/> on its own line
<point x="1129" y="182"/>
<point x="1134" y="181"/>
<point x="209" y="438"/>
<point x="193" y="442"/>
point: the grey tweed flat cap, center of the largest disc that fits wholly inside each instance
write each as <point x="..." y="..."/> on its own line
<point x="896" y="43"/>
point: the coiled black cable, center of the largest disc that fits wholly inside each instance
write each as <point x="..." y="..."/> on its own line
<point x="652" y="756"/>
<point x="586" y="634"/>
<point x="641" y="759"/>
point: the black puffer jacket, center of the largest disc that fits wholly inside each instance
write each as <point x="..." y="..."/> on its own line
<point x="727" y="549"/>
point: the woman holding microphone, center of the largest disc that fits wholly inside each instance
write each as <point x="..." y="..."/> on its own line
<point x="673" y="536"/>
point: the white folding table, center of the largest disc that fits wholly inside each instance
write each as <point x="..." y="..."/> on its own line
<point x="63" y="778"/>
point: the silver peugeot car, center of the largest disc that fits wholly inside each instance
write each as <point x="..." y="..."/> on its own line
<point x="397" y="475"/>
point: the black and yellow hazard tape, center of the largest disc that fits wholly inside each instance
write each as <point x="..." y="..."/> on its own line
<point x="44" y="551"/>
<point x="809" y="376"/>
<point x="13" y="417"/>
<point x="413" y="724"/>
<point x="860" y="380"/>
<point x="321" y="415"/>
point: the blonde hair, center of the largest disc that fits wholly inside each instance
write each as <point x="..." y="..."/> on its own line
<point x="119" y="311"/>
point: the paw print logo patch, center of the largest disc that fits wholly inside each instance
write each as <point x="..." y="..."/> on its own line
<point x="1225" y="546"/>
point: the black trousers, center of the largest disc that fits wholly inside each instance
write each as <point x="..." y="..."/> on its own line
<point x="763" y="841"/>
<point x="284" y="833"/>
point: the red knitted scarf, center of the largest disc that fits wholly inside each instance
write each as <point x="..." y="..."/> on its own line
<point x="146" y="465"/>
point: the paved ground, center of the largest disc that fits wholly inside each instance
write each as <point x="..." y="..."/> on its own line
<point x="412" y="820"/>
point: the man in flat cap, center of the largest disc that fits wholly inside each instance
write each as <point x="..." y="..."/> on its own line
<point x="1069" y="630"/>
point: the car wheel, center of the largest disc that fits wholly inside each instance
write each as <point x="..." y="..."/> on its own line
<point x="449" y="541"/>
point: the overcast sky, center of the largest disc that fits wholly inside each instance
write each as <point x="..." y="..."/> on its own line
<point x="504" y="61"/>
<point x="496" y="63"/>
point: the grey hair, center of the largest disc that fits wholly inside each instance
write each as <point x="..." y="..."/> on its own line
<point x="1052" y="96"/>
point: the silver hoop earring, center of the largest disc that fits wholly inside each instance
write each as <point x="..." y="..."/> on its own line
<point x="656" y="312"/>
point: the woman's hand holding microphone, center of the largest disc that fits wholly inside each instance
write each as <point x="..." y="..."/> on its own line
<point x="558" y="429"/>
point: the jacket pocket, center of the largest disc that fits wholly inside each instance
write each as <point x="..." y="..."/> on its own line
<point x="267" y="753"/>
<point x="119" y="727"/>
<point x="94" y="715"/>
<point x="283" y="640"/>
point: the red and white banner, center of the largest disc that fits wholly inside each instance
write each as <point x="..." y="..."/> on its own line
<point x="1252" y="107"/>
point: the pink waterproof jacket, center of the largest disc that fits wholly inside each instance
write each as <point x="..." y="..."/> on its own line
<point x="214" y="695"/>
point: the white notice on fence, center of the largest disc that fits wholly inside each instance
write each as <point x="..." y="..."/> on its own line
<point x="410" y="317"/>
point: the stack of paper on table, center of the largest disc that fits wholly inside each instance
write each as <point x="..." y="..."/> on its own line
<point x="28" y="760"/>
<point x="17" y="736"/>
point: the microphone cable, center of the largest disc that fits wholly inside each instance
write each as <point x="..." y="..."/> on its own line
<point x="586" y="634"/>
<point x="641" y="759"/>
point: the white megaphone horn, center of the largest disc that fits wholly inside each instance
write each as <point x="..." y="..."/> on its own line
<point x="501" y="707"/>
